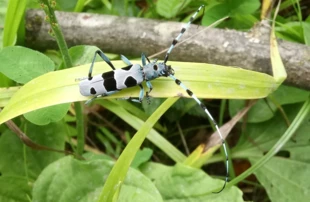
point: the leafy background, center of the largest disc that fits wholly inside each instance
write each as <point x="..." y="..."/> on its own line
<point x="155" y="174"/>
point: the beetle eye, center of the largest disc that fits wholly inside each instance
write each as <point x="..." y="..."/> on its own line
<point x="155" y="67"/>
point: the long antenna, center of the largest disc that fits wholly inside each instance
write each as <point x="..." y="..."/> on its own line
<point x="175" y="41"/>
<point x="190" y="93"/>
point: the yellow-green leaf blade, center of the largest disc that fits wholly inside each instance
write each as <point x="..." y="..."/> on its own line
<point x="205" y="80"/>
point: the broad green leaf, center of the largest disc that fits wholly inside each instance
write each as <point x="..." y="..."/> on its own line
<point x="300" y="118"/>
<point x="239" y="11"/>
<point x="14" y="15"/>
<point x="5" y="81"/>
<point x="182" y="183"/>
<point x="243" y="7"/>
<point x="169" y="9"/>
<point x="31" y="162"/>
<point x="293" y="169"/>
<point x="262" y="111"/>
<point x="69" y="180"/>
<point x="67" y="5"/>
<point x="285" y="179"/>
<point x="14" y="189"/>
<point x="215" y="13"/>
<point x="47" y="115"/>
<point x="265" y="134"/>
<point x="205" y="80"/>
<point x="82" y="54"/>
<point x="290" y="95"/>
<point x="141" y="157"/>
<point x="23" y="64"/>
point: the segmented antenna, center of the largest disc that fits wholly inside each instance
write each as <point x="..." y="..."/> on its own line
<point x="190" y="93"/>
<point x="176" y="40"/>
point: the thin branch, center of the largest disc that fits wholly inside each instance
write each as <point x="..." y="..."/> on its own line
<point x="28" y="142"/>
<point x="132" y="36"/>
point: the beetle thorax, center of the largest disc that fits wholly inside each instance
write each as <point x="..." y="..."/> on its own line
<point x="154" y="70"/>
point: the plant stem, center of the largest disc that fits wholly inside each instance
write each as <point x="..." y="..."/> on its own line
<point x="48" y="7"/>
<point x="51" y="17"/>
<point x="79" y="127"/>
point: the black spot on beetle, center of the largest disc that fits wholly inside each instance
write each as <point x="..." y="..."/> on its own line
<point x="93" y="91"/>
<point x="130" y="81"/>
<point x="108" y="75"/>
<point x="127" y="68"/>
<point x="109" y="81"/>
<point x="155" y="67"/>
<point x="110" y="84"/>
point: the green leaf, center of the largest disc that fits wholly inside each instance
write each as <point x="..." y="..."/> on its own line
<point x="280" y="174"/>
<point x="118" y="173"/>
<point x="153" y="135"/>
<point x="214" y="13"/>
<point x="23" y="64"/>
<point x="141" y="157"/>
<point x="239" y="11"/>
<point x="14" y="189"/>
<point x="70" y="180"/>
<point x="67" y="5"/>
<point x="14" y="15"/>
<point x="47" y="115"/>
<point x="6" y="94"/>
<point x="5" y="81"/>
<point x="83" y="54"/>
<point x="300" y="118"/>
<point x="306" y="30"/>
<point x="285" y="179"/>
<point x="291" y="31"/>
<point x="30" y="162"/>
<point x="266" y="134"/>
<point x="182" y="183"/>
<point x="243" y="7"/>
<point x="205" y="80"/>
<point x="260" y="112"/>
<point x="290" y="95"/>
<point x="3" y="10"/>
<point x="169" y="9"/>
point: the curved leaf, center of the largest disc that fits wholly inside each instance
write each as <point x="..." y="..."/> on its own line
<point x="62" y="177"/>
<point x="205" y="80"/>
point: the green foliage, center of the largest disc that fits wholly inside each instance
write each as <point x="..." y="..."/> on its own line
<point x="265" y="109"/>
<point x="169" y="9"/>
<point x="293" y="28"/>
<point x="267" y="142"/>
<point x="241" y="13"/>
<point x="90" y="175"/>
<point x="48" y="114"/>
<point x="15" y="13"/>
<point x="181" y="183"/>
<point x="22" y="64"/>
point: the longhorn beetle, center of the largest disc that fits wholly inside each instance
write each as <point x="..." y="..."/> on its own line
<point x="134" y="74"/>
